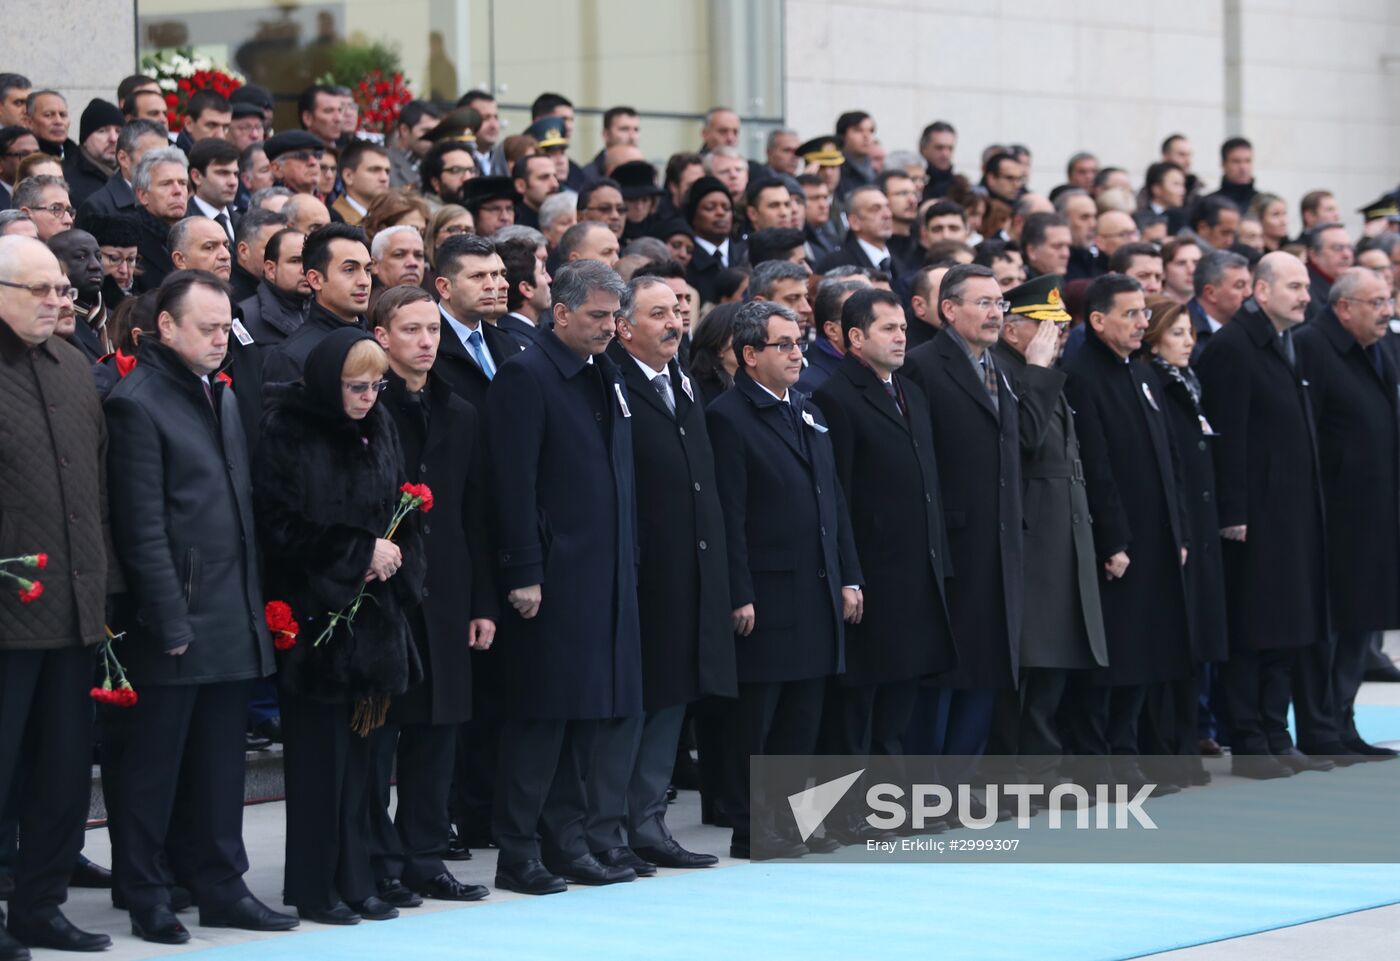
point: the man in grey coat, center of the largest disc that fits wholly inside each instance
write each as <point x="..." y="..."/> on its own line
<point x="1063" y="629"/>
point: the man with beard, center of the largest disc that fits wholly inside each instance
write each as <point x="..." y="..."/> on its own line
<point x="116" y="196"/>
<point x="409" y="145"/>
<point x="79" y="255"/>
<point x="280" y="301"/>
<point x="444" y="172"/>
<point x="88" y="168"/>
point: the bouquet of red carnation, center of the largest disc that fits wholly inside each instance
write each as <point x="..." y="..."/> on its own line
<point x="29" y="590"/>
<point x="380" y="99"/>
<point x="116" y="690"/>
<point x="412" y="497"/>
<point x="183" y="72"/>
<point x="283" y="627"/>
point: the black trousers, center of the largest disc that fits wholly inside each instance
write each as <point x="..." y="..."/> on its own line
<point x="1256" y="695"/>
<point x="411" y="845"/>
<point x="1168" y="733"/>
<point x="1102" y="722"/>
<point x="781" y="717"/>
<point x="46" y="763"/>
<point x="565" y="780"/>
<point x="184" y="741"/>
<point x="655" y="759"/>
<point x="1314" y="701"/>
<point x="1025" y="724"/>
<point x="328" y="798"/>
<point x="1353" y="649"/>
<point x="865" y="719"/>
<point x="474" y="778"/>
<point x="715" y="757"/>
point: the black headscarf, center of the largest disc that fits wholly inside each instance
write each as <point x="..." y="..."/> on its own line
<point x="324" y="367"/>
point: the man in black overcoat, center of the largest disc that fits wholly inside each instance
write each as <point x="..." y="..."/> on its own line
<point x="472" y="294"/>
<point x="793" y="572"/>
<point x="683" y="580"/>
<point x="885" y="460"/>
<point x="1355" y="394"/>
<point x="442" y="448"/>
<point x="1130" y="467"/>
<point x="976" y="433"/>
<point x="1271" y="515"/>
<point x="183" y="526"/>
<point x="559" y="440"/>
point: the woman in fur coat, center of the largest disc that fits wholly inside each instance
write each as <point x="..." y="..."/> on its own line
<point x="326" y="485"/>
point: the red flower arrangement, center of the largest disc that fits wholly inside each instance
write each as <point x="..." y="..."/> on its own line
<point x="29" y="590"/>
<point x="182" y="73"/>
<point x="412" y="497"/>
<point x="283" y="627"/>
<point x="380" y="98"/>
<point x="116" y="690"/>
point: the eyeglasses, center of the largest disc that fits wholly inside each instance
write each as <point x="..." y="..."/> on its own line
<point x="1132" y="313"/>
<point x="452" y="230"/>
<point x="459" y="171"/>
<point x="359" y="387"/>
<point x="116" y="260"/>
<point x="1380" y="303"/>
<point x="58" y="210"/>
<point x="40" y="291"/>
<point x="985" y="304"/>
<point x="787" y="346"/>
<point x="608" y="209"/>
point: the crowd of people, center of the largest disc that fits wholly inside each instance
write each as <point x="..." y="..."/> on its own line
<point x="541" y="489"/>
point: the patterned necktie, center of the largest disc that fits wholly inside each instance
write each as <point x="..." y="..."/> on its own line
<point x="894" y="395"/>
<point x="989" y="380"/>
<point x="663" y="387"/>
<point x="478" y="350"/>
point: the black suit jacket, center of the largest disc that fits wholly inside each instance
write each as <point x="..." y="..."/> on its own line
<point x="979" y="470"/>
<point x="1357" y="412"/>
<point x="459" y="368"/>
<point x="683" y="578"/>
<point x="449" y="455"/>
<point x="180" y="479"/>
<point x="789" y="536"/>
<point x="705" y="267"/>
<point x="888" y="470"/>
<point x="111" y="200"/>
<point x="1132" y="471"/>
<point x="1266" y="477"/>
<point x="852" y="254"/>
<point x="284" y="362"/>
<point x="559" y="432"/>
<point x="525" y="333"/>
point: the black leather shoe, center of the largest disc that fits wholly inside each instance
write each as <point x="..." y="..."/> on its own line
<point x="180" y="899"/>
<point x="818" y="844"/>
<point x="271" y="728"/>
<point x="59" y="933"/>
<point x="393" y="891"/>
<point x="1300" y="762"/>
<point x="445" y="887"/>
<point x="375" y="909"/>
<point x="771" y="848"/>
<point x="457" y="849"/>
<point x="1383" y="671"/>
<point x="158" y="925"/>
<point x="586" y="869"/>
<point x="1259" y="767"/>
<point x="10" y="949"/>
<point x="89" y="875"/>
<point x="1371" y="752"/>
<point x="341" y="914"/>
<point x="671" y="855"/>
<point x="247" y="913"/>
<point x="529" y="877"/>
<point x="740" y="850"/>
<point x="625" y="858"/>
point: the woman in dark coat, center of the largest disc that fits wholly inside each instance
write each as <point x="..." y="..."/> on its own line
<point x="1167" y="347"/>
<point x="326" y="487"/>
<point x="712" y="360"/>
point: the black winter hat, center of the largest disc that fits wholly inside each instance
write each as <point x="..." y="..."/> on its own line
<point x="98" y="114"/>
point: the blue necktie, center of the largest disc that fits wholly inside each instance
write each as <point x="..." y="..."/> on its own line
<point x="478" y="350"/>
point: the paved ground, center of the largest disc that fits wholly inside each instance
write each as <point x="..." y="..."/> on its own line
<point x="1361" y="936"/>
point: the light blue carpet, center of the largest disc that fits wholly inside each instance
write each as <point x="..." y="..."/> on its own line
<point x="929" y="912"/>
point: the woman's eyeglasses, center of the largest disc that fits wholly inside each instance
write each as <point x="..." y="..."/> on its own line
<point x="360" y="386"/>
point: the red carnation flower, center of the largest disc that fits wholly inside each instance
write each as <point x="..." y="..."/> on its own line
<point x="98" y="695"/>
<point x="32" y="593"/>
<point x="41" y="560"/>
